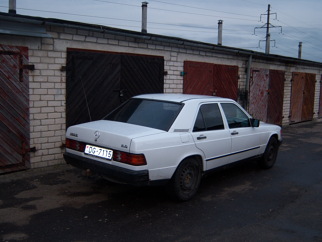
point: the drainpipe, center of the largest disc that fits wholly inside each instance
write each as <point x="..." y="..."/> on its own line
<point x="144" y="17"/>
<point x="220" y="23"/>
<point x="249" y="65"/>
<point x="12" y="7"/>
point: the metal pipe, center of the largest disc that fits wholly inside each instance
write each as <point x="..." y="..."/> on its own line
<point x="300" y="51"/>
<point x="144" y="17"/>
<point x="12" y="7"/>
<point x="248" y="68"/>
<point x="220" y="23"/>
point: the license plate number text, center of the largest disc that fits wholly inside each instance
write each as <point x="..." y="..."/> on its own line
<point x="99" y="152"/>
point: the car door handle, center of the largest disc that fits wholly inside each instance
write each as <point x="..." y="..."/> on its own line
<point x="234" y="133"/>
<point x="201" y="137"/>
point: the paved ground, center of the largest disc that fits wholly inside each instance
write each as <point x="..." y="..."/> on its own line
<point x="238" y="203"/>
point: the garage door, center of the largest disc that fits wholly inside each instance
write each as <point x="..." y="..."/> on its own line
<point x="275" y="97"/>
<point x="14" y="109"/>
<point x="258" y="93"/>
<point x="98" y="82"/>
<point x="302" y="97"/>
<point x="210" y="79"/>
<point x="266" y="94"/>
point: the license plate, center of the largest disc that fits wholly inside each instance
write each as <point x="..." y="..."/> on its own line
<point x="99" y="152"/>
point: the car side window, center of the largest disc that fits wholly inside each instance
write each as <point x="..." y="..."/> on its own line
<point x="236" y="118"/>
<point x="208" y="118"/>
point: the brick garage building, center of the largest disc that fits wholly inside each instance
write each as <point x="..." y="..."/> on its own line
<point x="56" y="73"/>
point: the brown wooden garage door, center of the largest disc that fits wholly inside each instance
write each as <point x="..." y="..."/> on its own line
<point x="210" y="79"/>
<point x="14" y="109"/>
<point x="98" y="82"/>
<point x="266" y="94"/>
<point x="302" y="97"/>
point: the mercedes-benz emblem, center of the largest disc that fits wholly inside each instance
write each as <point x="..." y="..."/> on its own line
<point x="97" y="134"/>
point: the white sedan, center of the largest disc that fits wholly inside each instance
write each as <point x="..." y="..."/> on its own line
<point x="170" y="139"/>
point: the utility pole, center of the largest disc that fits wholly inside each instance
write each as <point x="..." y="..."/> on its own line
<point x="268" y="26"/>
<point x="268" y="35"/>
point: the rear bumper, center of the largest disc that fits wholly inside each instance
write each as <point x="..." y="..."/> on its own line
<point x="113" y="173"/>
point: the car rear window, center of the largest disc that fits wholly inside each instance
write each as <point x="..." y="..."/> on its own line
<point x="148" y="113"/>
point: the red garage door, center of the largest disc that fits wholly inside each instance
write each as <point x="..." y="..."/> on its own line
<point x="198" y="78"/>
<point x="275" y="97"/>
<point x="210" y="79"/>
<point x="226" y="81"/>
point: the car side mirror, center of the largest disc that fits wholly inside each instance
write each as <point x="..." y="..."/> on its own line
<point x="254" y="122"/>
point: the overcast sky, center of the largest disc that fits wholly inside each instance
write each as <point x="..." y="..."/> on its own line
<point x="294" y="20"/>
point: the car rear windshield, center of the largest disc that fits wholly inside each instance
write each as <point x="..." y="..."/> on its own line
<point x="148" y="113"/>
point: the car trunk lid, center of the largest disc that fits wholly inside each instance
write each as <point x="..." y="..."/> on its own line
<point x="109" y="134"/>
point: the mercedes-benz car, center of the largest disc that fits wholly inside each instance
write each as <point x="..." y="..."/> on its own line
<point x="171" y="139"/>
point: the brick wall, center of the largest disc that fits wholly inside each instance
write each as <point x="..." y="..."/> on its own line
<point x="48" y="80"/>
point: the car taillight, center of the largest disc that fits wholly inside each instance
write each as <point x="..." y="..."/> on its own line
<point x="119" y="156"/>
<point x="75" y="145"/>
<point x="131" y="159"/>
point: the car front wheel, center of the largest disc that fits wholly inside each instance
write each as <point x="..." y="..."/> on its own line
<point x="269" y="157"/>
<point x="186" y="180"/>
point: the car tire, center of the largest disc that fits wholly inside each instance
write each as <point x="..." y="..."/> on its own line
<point x="269" y="157"/>
<point x="186" y="180"/>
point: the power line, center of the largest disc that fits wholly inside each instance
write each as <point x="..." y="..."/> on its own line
<point x="124" y="4"/>
<point x="121" y="19"/>
<point x="198" y="14"/>
<point x="74" y="14"/>
<point x="184" y="12"/>
<point x="205" y="9"/>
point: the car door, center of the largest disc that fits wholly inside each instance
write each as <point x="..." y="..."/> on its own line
<point x="210" y="135"/>
<point x="245" y="139"/>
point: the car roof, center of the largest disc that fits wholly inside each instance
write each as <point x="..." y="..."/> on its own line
<point x="173" y="97"/>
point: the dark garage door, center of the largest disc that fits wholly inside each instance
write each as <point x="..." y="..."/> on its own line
<point x="14" y="109"/>
<point x="97" y="82"/>
<point x="210" y="79"/>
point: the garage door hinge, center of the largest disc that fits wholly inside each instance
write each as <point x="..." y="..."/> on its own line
<point x="29" y="67"/>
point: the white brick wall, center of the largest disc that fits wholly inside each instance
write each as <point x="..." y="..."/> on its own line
<point x="48" y="83"/>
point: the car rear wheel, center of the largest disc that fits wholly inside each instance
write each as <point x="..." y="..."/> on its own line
<point x="269" y="157"/>
<point x="186" y="180"/>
